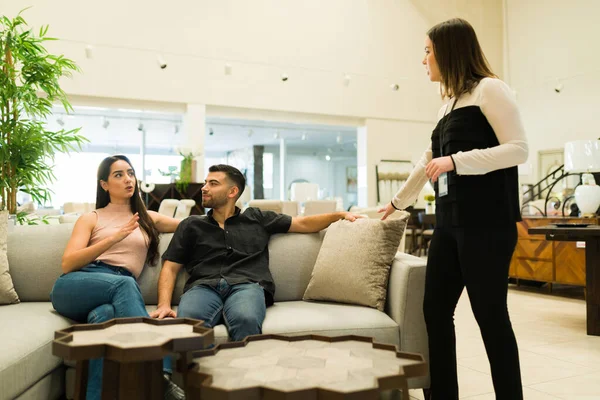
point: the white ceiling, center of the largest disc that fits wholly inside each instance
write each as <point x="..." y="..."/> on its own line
<point x="164" y="131"/>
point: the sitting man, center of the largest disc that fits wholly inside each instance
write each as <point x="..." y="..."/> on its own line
<point x="225" y="253"/>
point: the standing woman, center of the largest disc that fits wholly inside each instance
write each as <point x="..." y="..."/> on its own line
<point x="472" y="161"/>
<point x="106" y="254"/>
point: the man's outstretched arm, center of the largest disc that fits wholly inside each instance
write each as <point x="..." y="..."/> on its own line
<point x="316" y="223"/>
<point x="166" y="284"/>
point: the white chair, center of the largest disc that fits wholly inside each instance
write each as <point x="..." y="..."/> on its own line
<point x="168" y="207"/>
<point x="290" y="208"/>
<point x="313" y="207"/>
<point x="184" y="208"/>
<point x="302" y="192"/>
<point x="267" y="205"/>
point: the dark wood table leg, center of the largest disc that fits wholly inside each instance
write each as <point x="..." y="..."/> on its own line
<point x="592" y="273"/>
<point x="81" y="378"/>
<point x="110" y="379"/>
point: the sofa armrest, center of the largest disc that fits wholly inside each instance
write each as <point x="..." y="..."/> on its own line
<point x="404" y="305"/>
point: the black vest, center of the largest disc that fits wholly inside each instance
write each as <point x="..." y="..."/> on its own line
<point x="490" y="200"/>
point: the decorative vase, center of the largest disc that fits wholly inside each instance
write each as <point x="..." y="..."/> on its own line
<point x="429" y="208"/>
<point x="587" y="198"/>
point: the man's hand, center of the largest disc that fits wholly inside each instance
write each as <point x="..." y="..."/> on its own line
<point x="352" y="217"/>
<point x="387" y="210"/>
<point x="163" y="312"/>
<point x="438" y="166"/>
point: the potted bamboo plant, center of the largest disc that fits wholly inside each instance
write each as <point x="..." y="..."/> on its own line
<point x="29" y="86"/>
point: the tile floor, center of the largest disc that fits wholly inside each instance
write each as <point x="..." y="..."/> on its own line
<point x="558" y="359"/>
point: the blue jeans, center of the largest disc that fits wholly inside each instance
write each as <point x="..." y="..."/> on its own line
<point x="97" y="293"/>
<point x="242" y="307"/>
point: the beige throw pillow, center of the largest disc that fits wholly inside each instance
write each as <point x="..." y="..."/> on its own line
<point x="354" y="262"/>
<point x="8" y="295"/>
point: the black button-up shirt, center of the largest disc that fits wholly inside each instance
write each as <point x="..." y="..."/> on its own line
<point x="238" y="253"/>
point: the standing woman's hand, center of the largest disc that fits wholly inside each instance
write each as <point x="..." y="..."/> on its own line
<point x="438" y="166"/>
<point x="387" y="210"/>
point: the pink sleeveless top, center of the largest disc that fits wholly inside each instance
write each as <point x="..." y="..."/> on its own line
<point x="130" y="253"/>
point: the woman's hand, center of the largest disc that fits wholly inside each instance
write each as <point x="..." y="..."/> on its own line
<point x="438" y="166"/>
<point x="387" y="210"/>
<point x="127" y="228"/>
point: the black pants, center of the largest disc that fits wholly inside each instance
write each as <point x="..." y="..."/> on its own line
<point x="478" y="259"/>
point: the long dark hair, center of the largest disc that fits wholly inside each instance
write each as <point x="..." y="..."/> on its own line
<point x="460" y="59"/>
<point x="137" y="206"/>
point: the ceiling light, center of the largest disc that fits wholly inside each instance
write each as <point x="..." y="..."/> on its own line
<point x="140" y="127"/>
<point x="227" y="69"/>
<point x="60" y="121"/>
<point x="105" y="123"/>
<point x="176" y="129"/>
<point x="338" y="139"/>
<point x="277" y="135"/>
<point x="250" y="133"/>
<point x="284" y="77"/>
<point x="395" y="87"/>
<point x="304" y="136"/>
<point x="211" y="132"/>
<point x="328" y="157"/>
<point x="161" y="62"/>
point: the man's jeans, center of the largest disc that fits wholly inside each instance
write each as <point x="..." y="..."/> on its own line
<point x="94" y="294"/>
<point x="241" y="307"/>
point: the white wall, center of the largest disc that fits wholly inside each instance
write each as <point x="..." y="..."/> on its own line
<point x="550" y="41"/>
<point x="377" y="42"/>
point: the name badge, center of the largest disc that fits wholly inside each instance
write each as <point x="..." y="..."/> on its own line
<point x="443" y="184"/>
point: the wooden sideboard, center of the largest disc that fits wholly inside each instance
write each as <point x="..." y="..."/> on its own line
<point x="538" y="259"/>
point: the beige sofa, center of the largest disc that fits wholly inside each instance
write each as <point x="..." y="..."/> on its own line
<point x="29" y="371"/>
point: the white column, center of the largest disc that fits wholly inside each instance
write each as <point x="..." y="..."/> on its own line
<point x="282" y="155"/>
<point x="194" y="128"/>
<point x="361" y="167"/>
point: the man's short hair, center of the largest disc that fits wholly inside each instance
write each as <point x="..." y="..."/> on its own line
<point x="233" y="174"/>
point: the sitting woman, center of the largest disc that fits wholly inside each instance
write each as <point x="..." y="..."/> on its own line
<point x="106" y="254"/>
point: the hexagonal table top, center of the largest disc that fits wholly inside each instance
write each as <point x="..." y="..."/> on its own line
<point x="132" y="339"/>
<point x="286" y="366"/>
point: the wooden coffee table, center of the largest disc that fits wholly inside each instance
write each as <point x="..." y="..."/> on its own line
<point x="304" y="367"/>
<point x="133" y="350"/>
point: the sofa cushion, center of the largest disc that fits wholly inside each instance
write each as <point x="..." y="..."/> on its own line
<point x="34" y="255"/>
<point x="354" y="262"/>
<point x="26" y="337"/>
<point x="292" y="258"/>
<point x="7" y="289"/>
<point x="296" y="318"/>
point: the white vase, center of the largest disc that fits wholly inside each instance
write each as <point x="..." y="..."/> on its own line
<point x="587" y="198"/>
<point x="429" y="208"/>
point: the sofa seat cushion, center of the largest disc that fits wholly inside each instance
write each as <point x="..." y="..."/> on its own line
<point x="26" y="336"/>
<point x="296" y="318"/>
<point x="329" y="319"/>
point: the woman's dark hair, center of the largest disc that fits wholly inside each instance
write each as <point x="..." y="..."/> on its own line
<point x="233" y="174"/>
<point x="460" y="59"/>
<point x="137" y="206"/>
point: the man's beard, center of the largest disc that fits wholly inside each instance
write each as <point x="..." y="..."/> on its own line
<point x="214" y="202"/>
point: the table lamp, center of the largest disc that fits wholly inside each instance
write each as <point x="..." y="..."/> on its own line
<point x="583" y="156"/>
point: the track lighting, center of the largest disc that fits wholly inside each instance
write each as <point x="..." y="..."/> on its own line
<point x="60" y="120"/>
<point x="105" y="123"/>
<point x="395" y="87"/>
<point x="89" y="51"/>
<point x="227" y="69"/>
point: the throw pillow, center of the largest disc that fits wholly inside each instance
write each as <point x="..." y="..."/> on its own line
<point x="8" y="295"/>
<point x="354" y="262"/>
